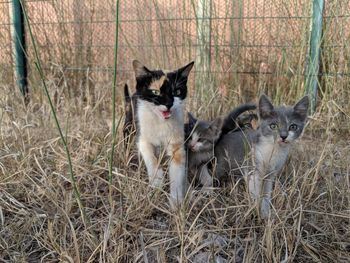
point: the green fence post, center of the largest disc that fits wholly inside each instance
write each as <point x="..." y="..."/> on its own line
<point x="19" y="47"/>
<point x="311" y="82"/>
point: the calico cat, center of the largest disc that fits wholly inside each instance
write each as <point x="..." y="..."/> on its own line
<point x="267" y="148"/>
<point x="160" y="118"/>
<point x="202" y="137"/>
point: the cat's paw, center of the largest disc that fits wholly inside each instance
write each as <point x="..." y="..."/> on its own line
<point x="264" y="213"/>
<point x="265" y="208"/>
<point x="175" y="203"/>
<point x="156" y="181"/>
<point x="207" y="191"/>
<point x="206" y="181"/>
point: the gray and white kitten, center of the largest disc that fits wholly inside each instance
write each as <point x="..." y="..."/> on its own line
<point x="267" y="147"/>
<point x="202" y="137"/>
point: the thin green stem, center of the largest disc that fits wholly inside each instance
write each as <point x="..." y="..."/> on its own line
<point x="62" y="137"/>
<point x="114" y="131"/>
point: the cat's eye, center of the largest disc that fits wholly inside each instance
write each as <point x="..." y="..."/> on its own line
<point x="177" y="92"/>
<point x="293" y="127"/>
<point x="155" y="92"/>
<point x="273" y="126"/>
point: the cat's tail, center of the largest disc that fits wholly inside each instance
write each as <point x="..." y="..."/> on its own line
<point x="127" y="97"/>
<point x="230" y="120"/>
<point x="129" y="121"/>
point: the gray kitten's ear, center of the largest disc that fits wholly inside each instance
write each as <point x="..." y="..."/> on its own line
<point x="301" y="107"/>
<point x="191" y="118"/>
<point x="216" y="125"/>
<point x="139" y="69"/>
<point x="185" y="71"/>
<point x="265" y="106"/>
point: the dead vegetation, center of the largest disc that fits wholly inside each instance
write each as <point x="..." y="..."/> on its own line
<point x="127" y="222"/>
<point x="40" y="219"/>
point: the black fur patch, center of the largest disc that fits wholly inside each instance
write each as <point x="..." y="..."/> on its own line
<point x="174" y="84"/>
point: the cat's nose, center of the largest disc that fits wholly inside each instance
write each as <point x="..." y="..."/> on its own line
<point x="283" y="136"/>
<point x="169" y="105"/>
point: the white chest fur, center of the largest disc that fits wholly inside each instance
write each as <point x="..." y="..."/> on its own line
<point x="269" y="155"/>
<point x="160" y="131"/>
<point x="168" y="132"/>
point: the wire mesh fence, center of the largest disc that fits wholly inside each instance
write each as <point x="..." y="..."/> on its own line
<point x="250" y="45"/>
<point x="6" y="72"/>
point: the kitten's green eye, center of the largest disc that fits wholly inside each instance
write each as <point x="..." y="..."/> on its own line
<point x="293" y="127"/>
<point x="273" y="126"/>
<point x="155" y="92"/>
<point x="177" y="92"/>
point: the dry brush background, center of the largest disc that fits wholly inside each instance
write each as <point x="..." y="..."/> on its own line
<point x="256" y="46"/>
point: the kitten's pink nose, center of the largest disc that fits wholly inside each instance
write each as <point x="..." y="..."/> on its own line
<point x="191" y="145"/>
<point x="283" y="136"/>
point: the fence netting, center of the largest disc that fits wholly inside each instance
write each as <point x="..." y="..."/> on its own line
<point x="250" y="44"/>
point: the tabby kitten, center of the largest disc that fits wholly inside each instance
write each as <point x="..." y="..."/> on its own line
<point x="268" y="147"/>
<point x="160" y="118"/>
<point x="202" y="137"/>
<point x="200" y="148"/>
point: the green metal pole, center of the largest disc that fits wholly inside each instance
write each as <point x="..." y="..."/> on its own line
<point x="311" y="82"/>
<point x="19" y="47"/>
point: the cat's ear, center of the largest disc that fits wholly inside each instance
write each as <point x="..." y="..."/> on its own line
<point x="139" y="69"/>
<point x="126" y="94"/>
<point x="216" y="125"/>
<point x="302" y="107"/>
<point x="191" y="119"/>
<point x="265" y="107"/>
<point x="185" y="71"/>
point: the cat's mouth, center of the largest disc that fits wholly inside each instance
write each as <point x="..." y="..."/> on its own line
<point x="283" y="142"/>
<point x="166" y="114"/>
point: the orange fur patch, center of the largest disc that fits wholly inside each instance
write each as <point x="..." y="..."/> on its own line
<point x="178" y="154"/>
<point x="255" y="123"/>
<point x="157" y="84"/>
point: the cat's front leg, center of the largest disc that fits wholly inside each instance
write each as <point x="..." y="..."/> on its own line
<point x="154" y="172"/>
<point x="266" y="196"/>
<point x="205" y="177"/>
<point x="260" y="189"/>
<point x="254" y="185"/>
<point x="177" y="173"/>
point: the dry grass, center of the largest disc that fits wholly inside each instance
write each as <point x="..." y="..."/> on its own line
<point x="41" y="222"/>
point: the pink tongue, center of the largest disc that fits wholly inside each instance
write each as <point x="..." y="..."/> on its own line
<point x="166" y="114"/>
